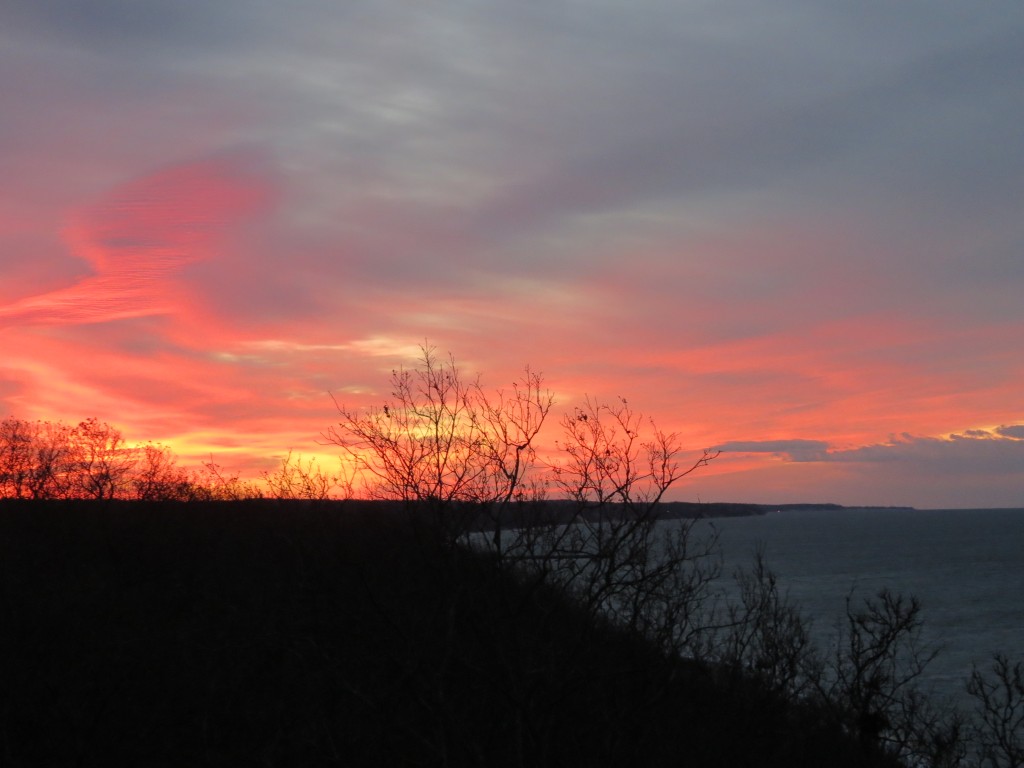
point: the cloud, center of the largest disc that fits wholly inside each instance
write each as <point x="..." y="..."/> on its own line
<point x="130" y="26"/>
<point x="140" y="235"/>
<point x="793" y="450"/>
<point x="799" y="220"/>
<point x="999" y="452"/>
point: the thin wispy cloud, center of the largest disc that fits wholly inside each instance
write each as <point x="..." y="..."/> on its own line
<point x="794" y="450"/>
<point x="138" y="238"/>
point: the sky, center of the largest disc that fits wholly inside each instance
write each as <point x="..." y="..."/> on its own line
<point x="793" y="231"/>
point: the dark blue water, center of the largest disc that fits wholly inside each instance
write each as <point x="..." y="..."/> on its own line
<point x="966" y="567"/>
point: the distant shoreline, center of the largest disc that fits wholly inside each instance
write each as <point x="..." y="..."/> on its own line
<point x="733" y="509"/>
<point x="666" y="509"/>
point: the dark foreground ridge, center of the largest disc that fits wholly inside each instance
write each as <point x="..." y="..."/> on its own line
<point x="285" y="634"/>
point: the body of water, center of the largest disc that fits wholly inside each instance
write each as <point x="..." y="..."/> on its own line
<point x="965" y="566"/>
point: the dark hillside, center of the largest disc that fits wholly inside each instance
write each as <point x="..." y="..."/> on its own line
<point x="284" y="634"/>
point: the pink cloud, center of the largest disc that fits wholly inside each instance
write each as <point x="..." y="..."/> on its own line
<point x="137" y="238"/>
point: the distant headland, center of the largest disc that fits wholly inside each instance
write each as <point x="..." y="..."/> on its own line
<point x="732" y="509"/>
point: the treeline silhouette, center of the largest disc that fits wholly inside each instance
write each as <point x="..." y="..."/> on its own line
<point x="93" y="460"/>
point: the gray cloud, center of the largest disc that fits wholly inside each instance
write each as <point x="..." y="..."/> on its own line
<point x="999" y="452"/>
<point x="794" y="450"/>
<point x="568" y="111"/>
<point x="121" y="26"/>
<point x="969" y="453"/>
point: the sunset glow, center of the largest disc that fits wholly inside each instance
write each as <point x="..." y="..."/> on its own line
<point x="800" y="242"/>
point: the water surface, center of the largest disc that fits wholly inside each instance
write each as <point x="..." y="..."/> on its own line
<point x="966" y="567"/>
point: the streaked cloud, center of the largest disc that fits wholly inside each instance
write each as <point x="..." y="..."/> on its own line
<point x="794" y="450"/>
<point x="138" y="238"/>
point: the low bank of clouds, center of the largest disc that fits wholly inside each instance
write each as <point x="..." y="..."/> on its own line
<point x="999" y="450"/>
